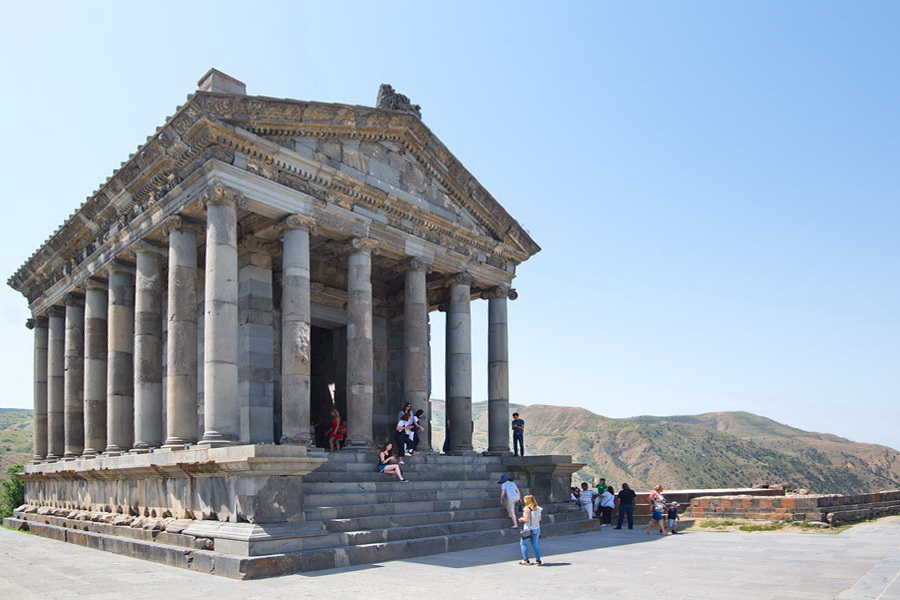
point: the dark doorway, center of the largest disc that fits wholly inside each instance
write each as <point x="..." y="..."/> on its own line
<point x="328" y="378"/>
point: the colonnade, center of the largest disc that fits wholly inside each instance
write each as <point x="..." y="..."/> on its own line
<point x="99" y="374"/>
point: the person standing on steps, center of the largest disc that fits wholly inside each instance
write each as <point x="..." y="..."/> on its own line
<point x="518" y="431"/>
<point x="509" y="496"/>
<point x="531" y="531"/>
<point x="658" y="505"/>
<point x="625" y="500"/>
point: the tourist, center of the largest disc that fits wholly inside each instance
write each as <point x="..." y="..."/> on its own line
<point x="607" y="503"/>
<point x="402" y="435"/>
<point x="531" y="531"/>
<point x="387" y="462"/>
<point x="625" y="501"/>
<point x="657" y="505"/>
<point x="419" y="416"/>
<point x="601" y="487"/>
<point x="574" y="493"/>
<point x="333" y="442"/>
<point x="518" y="431"/>
<point x="586" y="499"/>
<point x="509" y="496"/>
<point x="673" y="517"/>
<point x="446" y="447"/>
<point x="407" y="408"/>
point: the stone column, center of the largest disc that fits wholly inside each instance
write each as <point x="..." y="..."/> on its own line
<point x="221" y="417"/>
<point x="120" y="362"/>
<point x="459" y="364"/>
<point x="96" y="306"/>
<point x="415" y="344"/>
<point x="360" y="364"/>
<point x="39" y="429"/>
<point x="498" y="371"/>
<point x="74" y="377"/>
<point x="181" y="341"/>
<point x="56" y="351"/>
<point x="295" y="332"/>
<point x="148" y="398"/>
<point x="256" y="341"/>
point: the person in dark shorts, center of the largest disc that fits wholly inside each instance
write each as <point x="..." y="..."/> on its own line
<point x="672" y="517"/>
<point x="625" y="502"/>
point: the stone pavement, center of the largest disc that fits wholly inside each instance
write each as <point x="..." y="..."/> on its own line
<point x="859" y="564"/>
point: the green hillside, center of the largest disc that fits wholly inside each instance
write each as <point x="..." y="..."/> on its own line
<point x="15" y="437"/>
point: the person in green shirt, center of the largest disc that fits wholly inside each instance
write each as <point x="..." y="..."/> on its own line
<point x="601" y="487"/>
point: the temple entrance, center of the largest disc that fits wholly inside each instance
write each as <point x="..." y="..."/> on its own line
<point x="328" y="374"/>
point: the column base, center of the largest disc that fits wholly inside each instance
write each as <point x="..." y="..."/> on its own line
<point x="179" y="443"/>
<point x="490" y="452"/>
<point x="461" y="453"/>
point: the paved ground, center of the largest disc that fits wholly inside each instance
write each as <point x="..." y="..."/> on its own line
<point x="858" y="564"/>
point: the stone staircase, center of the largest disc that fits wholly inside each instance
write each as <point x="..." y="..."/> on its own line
<point x="354" y="516"/>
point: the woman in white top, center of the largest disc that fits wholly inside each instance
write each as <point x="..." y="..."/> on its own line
<point x="531" y="517"/>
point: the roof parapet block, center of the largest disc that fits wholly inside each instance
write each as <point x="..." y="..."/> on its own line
<point x="218" y="82"/>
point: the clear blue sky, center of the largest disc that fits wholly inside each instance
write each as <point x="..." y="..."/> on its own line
<point x="714" y="184"/>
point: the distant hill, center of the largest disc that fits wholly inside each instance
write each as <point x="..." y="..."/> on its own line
<point x="15" y="438"/>
<point x="726" y="449"/>
<point x="723" y="449"/>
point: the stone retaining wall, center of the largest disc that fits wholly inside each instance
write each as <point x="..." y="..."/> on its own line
<point x="832" y="508"/>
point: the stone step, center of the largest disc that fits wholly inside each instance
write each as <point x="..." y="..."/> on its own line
<point x="428" y="518"/>
<point x="350" y="511"/>
<point x="388" y="483"/>
<point x="328" y="558"/>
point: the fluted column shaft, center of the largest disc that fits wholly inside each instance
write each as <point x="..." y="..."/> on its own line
<point x="181" y="341"/>
<point x="295" y="334"/>
<point x="56" y="350"/>
<point x="415" y="344"/>
<point x="148" y="398"/>
<point x="459" y="365"/>
<point x="74" y="377"/>
<point x="96" y="337"/>
<point x="221" y="416"/>
<point x="498" y="372"/>
<point x="120" y="363"/>
<point x="39" y="430"/>
<point x="360" y="380"/>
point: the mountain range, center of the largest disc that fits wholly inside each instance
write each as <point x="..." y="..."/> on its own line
<point x="711" y="450"/>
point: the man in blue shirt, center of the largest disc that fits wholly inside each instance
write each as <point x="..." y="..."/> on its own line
<point x="518" y="430"/>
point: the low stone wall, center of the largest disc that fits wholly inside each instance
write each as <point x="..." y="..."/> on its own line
<point x="831" y="508"/>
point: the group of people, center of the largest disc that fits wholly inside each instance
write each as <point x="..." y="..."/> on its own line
<point x="604" y="500"/>
<point x="407" y="431"/>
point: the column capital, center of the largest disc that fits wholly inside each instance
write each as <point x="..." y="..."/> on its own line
<point x="296" y="221"/>
<point x="94" y="283"/>
<point x="119" y="266"/>
<point x="500" y="292"/>
<point x="34" y="322"/>
<point x="180" y="223"/>
<point x="463" y="278"/>
<point x="362" y="244"/>
<point x="146" y="246"/>
<point x="74" y="299"/>
<point x="217" y="193"/>
<point x="415" y="264"/>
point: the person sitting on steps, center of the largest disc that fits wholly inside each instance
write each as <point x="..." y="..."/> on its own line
<point x="387" y="462"/>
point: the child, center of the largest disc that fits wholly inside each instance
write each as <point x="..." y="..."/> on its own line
<point x="342" y="433"/>
<point x="672" y="516"/>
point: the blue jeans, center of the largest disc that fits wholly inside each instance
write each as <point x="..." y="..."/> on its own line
<point x="626" y="509"/>
<point x="534" y="546"/>
<point x="519" y="444"/>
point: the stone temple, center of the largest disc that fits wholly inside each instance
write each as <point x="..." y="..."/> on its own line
<point x="255" y="264"/>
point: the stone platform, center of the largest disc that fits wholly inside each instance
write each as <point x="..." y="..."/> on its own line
<point x="345" y="513"/>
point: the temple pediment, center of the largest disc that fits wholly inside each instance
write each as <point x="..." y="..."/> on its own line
<point x="382" y="165"/>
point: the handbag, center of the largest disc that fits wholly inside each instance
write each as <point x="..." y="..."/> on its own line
<point x="526" y="534"/>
